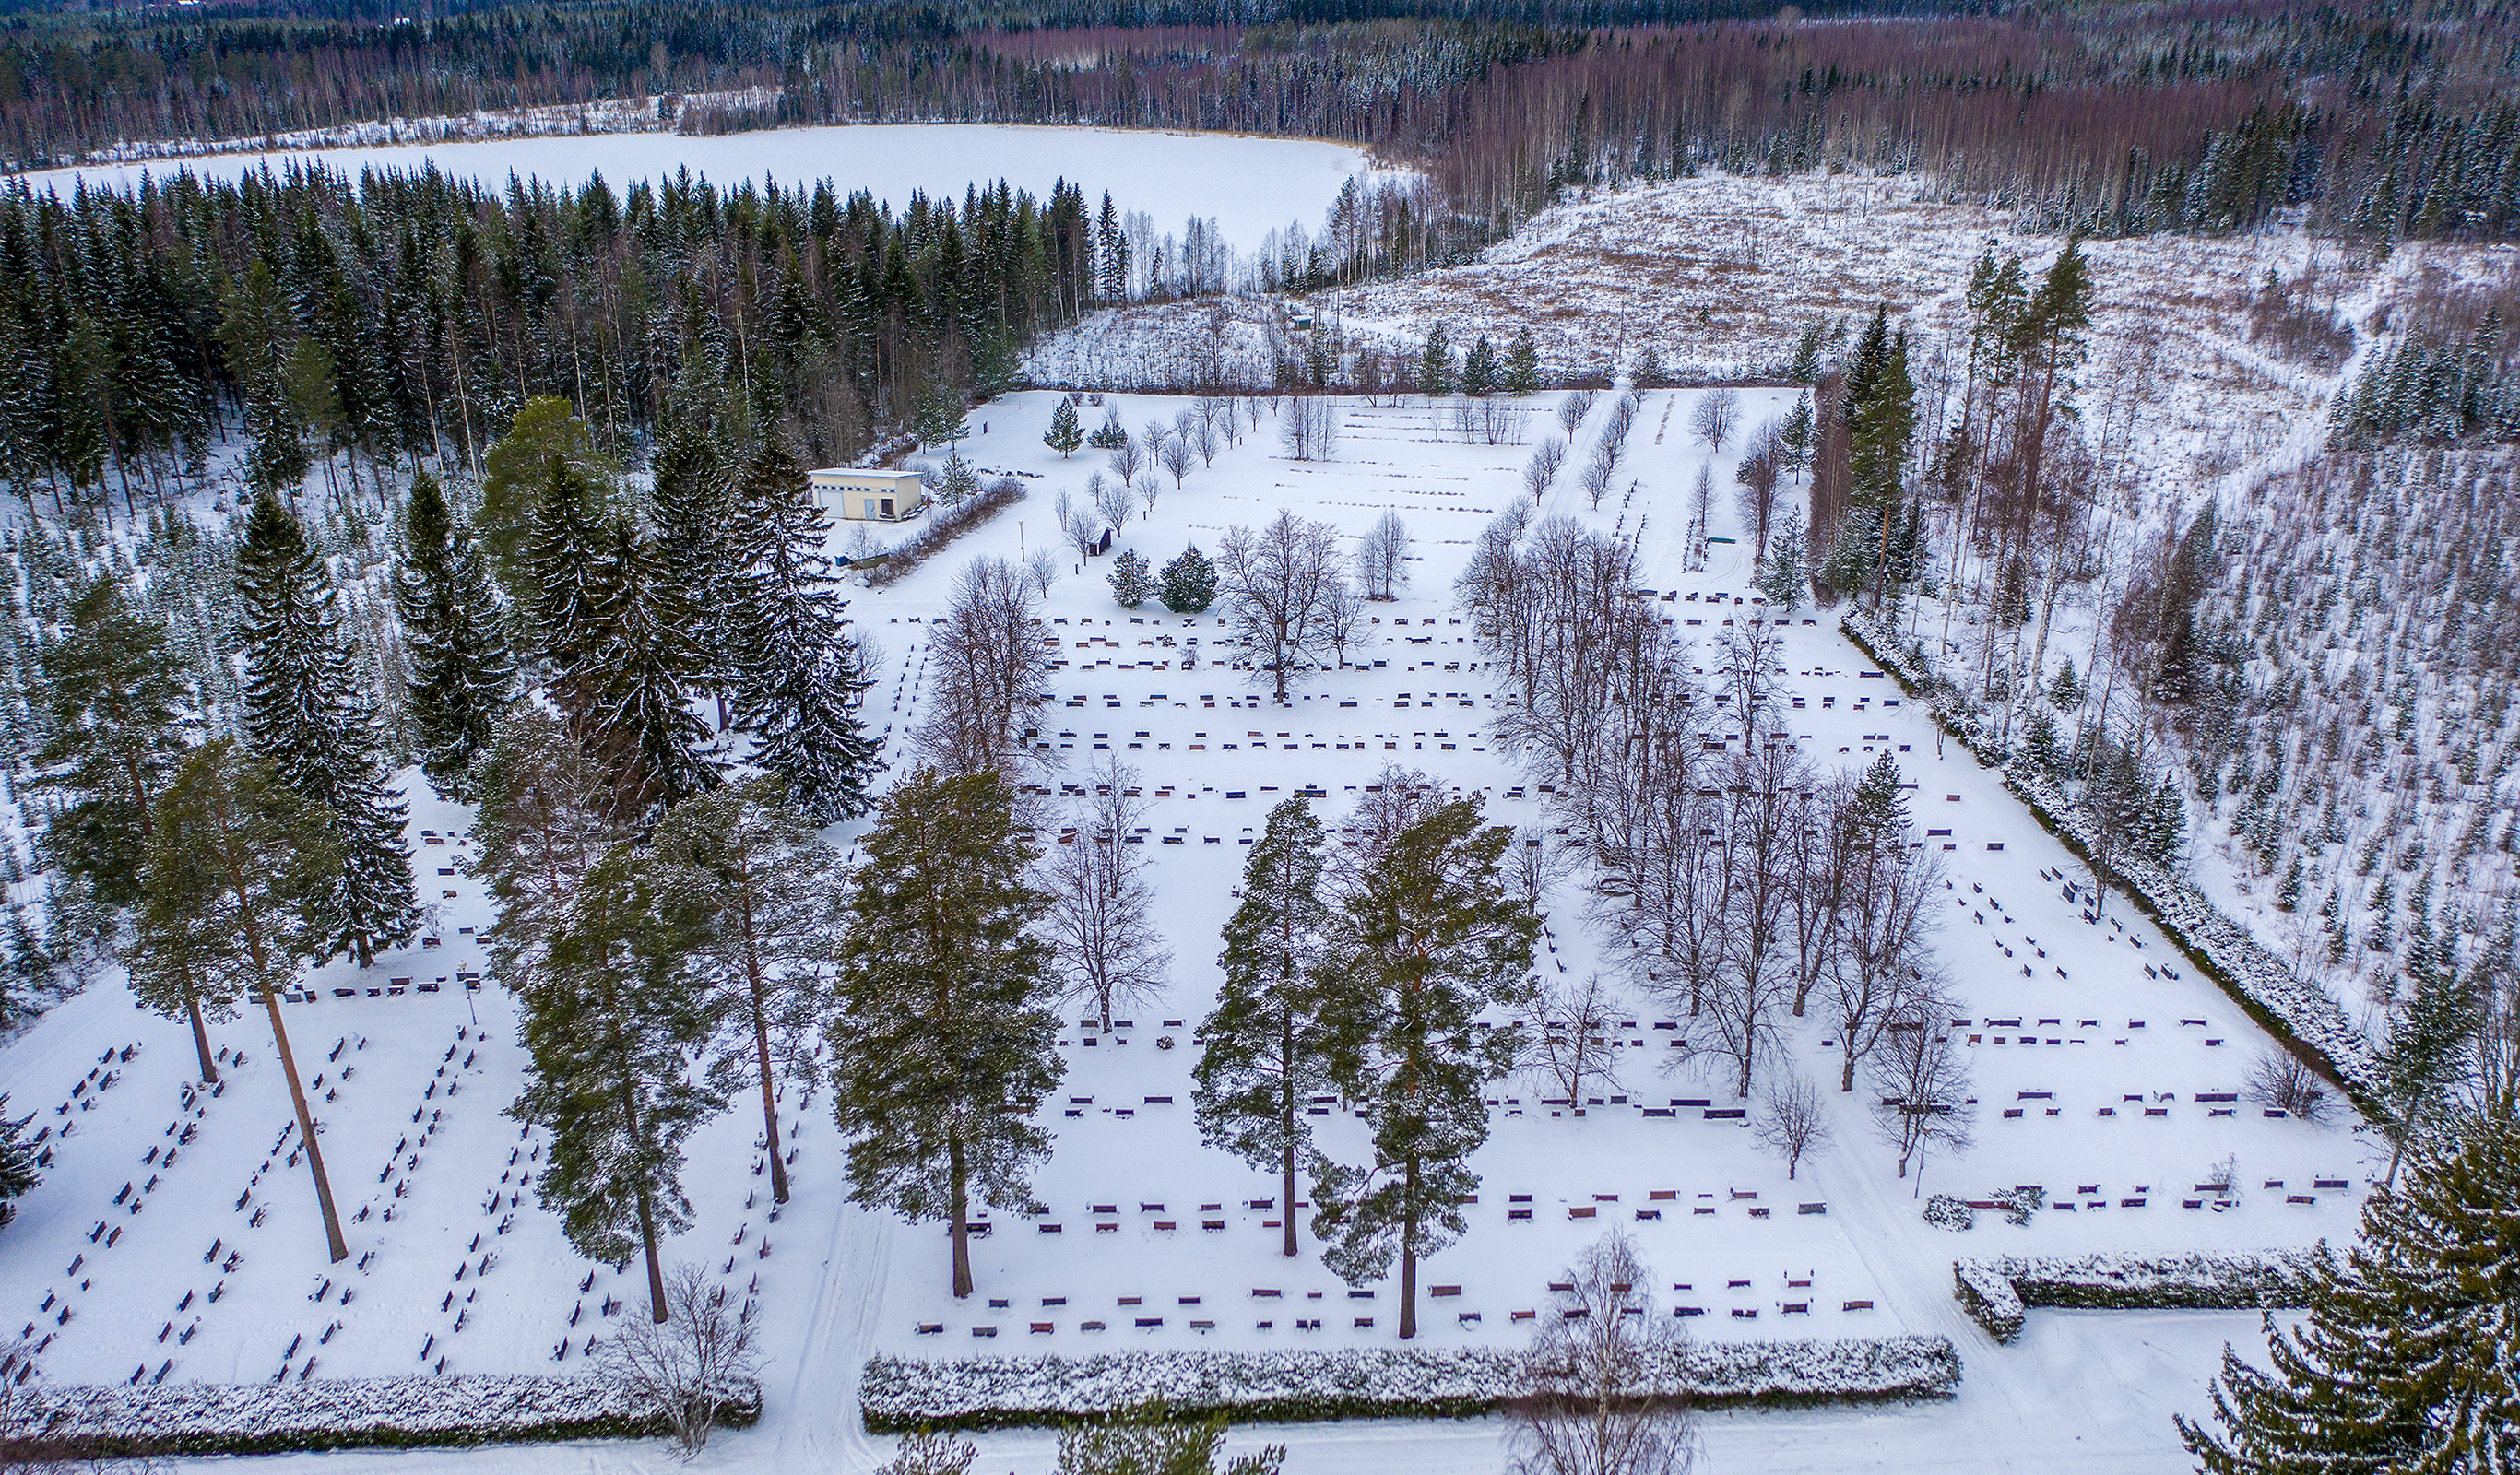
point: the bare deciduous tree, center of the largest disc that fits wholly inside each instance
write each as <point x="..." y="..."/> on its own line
<point x="1128" y="457"/>
<point x="1111" y="500"/>
<point x="1382" y="557"/>
<point x="1602" y="1391"/>
<point x="1178" y="458"/>
<point x="1759" y="472"/>
<point x="987" y="664"/>
<point x="1567" y="1038"/>
<point x="1921" y="1087"/>
<point x="1792" y="1123"/>
<point x="1041" y="570"/>
<point x="927" y="1452"/>
<point x="1717" y="416"/>
<point x="1572" y="410"/>
<point x="1277" y="583"/>
<point x="1102" y="911"/>
<point x="1310" y="430"/>
<point x="695" y="1364"/>
<point x="1542" y="469"/>
<point x="2279" y="1082"/>
<point x="1342" y="620"/>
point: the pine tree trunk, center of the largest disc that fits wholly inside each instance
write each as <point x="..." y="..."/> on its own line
<point x="1287" y="1104"/>
<point x="962" y="1229"/>
<point x="307" y="1130"/>
<point x="1409" y="1260"/>
<point x="201" y="1040"/>
<point x="656" y="1312"/>
<point x="769" y="1095"/>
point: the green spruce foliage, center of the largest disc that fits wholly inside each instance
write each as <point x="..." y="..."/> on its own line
<point x="798" y="677"/>
<point x="1063" y="435"/>
<point x="309" y="717"/>
<point x="461" y="676"/>
<point x="1189" y="583"/>
<point x="943" y="1042"/>
<point x="2406" y="1362"/>
<point x="1523" y="364"/>
<point x="1131" y="582"/>
<point x="116" y="712"/>
<point x="1427" y="939"/>
<point x="1261" y="1052"/>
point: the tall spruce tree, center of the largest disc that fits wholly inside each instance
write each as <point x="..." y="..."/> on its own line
<point x="2406" y="1361"/>
<point x="943" y="1043"/>
<point x="1262" y="1052"/>
<point x="461" y="676"/>
<point x="563" y="563"/>
<point x="308" y="716"/>
<point x="610" y="1026"/>
<point x="116" y="712"/>
<point x="798" y="678"/>
<point x="637" y="678"/>
<point x="753" y="896"/>
<point x="19" y="1163"/>
<point x="242" y="878"/>
<point x="1427" y="939"/>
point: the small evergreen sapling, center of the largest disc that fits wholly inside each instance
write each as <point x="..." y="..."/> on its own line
<point x="1131" y="582"/>
<point x="1064" y="436"/>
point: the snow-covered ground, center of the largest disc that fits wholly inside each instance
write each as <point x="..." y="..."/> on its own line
<point x="2094" y="1020"/>
<point x="1250" y="185"/>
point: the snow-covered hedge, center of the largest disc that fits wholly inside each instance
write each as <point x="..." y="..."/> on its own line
<point x="1997" y="1290"/>
<point x="1288" y="1387"/>
<point x="2281" y="1000"/>
<point x="341" y="1413"/>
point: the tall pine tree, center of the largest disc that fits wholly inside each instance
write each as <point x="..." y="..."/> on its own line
<point x="797" y="679"/>
<point x="753" y="896"/>
<point x="611" y="1024"/>
<point x="308" y="716"/>
<point x="1426" y="940"/>
<point x="1261" y="1052"/>
<point x="117" y="711"/>
<point x="461" y="676"/>
<point x="943" y="1044"/>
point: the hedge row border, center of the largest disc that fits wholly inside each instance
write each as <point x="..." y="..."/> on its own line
<point x="62" y="1428"/>
<point x="1919" y="1368"/>
<point x="1998" y="1291"/>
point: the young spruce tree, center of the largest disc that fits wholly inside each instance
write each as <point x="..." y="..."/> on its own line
<point x="1189" y="583"/>
<point x="943" y="1043"/>
<point x="1261" y="1052"/>
<point x="461" y="674"/>
<point x="307" y="717"/>
<point x="1427" y="939"/>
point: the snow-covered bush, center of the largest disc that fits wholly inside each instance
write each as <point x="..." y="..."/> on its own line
<point x="1944" y="1212"/>
<point x="1996" y="1290"/>
<point x="977" y="1393"/>
<point x="342" y="1413"/>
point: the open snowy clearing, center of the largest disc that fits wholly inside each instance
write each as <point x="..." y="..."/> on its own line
<point x="2096" y="1023"/>
<point x="1250" y="185"/>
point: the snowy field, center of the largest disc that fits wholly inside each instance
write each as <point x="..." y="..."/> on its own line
<point x="2086" y="1030"/>
<point x="1250" y="185"/>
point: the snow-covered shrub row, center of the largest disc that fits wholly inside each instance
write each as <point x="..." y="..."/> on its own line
<point x="1996" y="1290"/>
<point x="2279" y="999"/>
<point x="341" y="1413"/>
<point x="1293" y="1387"/>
